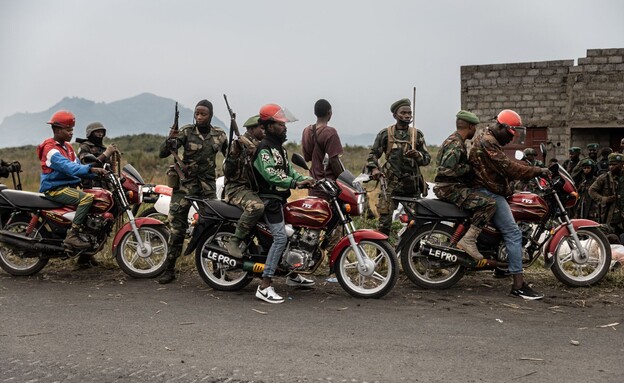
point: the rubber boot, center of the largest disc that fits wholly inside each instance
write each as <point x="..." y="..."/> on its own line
<point x="169" y="274"/>
<point x="468" y="243"/>
<point x="233" y="247"/>
<point x="74" y="241"/>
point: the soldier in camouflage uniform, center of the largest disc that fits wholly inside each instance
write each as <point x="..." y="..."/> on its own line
<point x="493" y="171"/>
<point x="200" y="142"/>
<point x="574" y="158"/>
<point x="453" y="177"/>
<point x="608" y="191"/>
<point x="602" y="165"/>
<point x="405" y="152"/>
<point x="529" y="185"/>
<point x="241" y="188"/>
<point x="586" y="207"/>
<point x="93" y="145"/>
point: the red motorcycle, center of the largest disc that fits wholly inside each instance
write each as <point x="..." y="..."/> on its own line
<point x="576" y="251"/>
<point x="33" y="229"/>
<point x="364" y="262"/>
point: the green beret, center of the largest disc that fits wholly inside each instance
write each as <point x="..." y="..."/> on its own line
<point x="575" y="149"/>
<point x="467" y="116"/>
<point x="593" y="146"/>
<point x="400" y="103"/>
<point x="615" y="157"/>
<point x="251" y="121"/>
<point x="587" y="162"/>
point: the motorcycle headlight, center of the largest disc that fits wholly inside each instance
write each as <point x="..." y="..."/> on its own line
<point x="361" y="203"/>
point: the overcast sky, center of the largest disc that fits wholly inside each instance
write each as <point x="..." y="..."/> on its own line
<point x="360" y="55"/>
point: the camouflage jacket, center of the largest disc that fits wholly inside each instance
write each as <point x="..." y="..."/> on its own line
<point x="493" y="169"/>
<point x="88" y="147"/>
<point x="273" y="171"/>
<point x="606" y="185"/>
<point x="237" y="167"/>
<point x="200" y="151"/>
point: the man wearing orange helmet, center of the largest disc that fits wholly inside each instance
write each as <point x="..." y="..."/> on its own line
<point x="493" y="171"/>
<point x="61" y="172"/>
<point x="275" y="178"/>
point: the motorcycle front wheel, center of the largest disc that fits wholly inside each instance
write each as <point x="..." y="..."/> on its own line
<point x="381" y="256"/>
<point x="427" y="272"/>
<point x="132" y="262"/>
<point x="20" y="263"/>
<point x="573" y="271"/>
<point x="217" y="275"/>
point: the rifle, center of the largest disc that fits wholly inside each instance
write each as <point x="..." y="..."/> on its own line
<point x="178" y="164"/>
<point x="246" y="160"/>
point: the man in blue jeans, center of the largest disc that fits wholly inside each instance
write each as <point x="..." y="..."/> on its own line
<point x="493" y="171"/>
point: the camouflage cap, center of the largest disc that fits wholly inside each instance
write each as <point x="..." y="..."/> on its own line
<point x="615" y="157"/>
<point x="252" y="121"/>
<point x="402" y="102"/>
<point x="587" y="162"/>
<point x="594" y="146"/>
<point x="467" y="116"/>
<point x="575" y="149"/>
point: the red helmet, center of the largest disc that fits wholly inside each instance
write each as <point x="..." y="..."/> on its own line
<point x="509" y="117"/>
<point x="63" y="119"/>
<point x="273" y="112"/>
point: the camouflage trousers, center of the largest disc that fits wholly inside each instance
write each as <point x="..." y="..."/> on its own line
<point x="386" y="205"/>
<point x="179" y="210"/>
<point x="253" y="209"/>
<point x="482" y="206"/>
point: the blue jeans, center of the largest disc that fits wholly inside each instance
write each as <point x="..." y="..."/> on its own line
<point x="506" y="224"/>
<point x="275" y="220"/>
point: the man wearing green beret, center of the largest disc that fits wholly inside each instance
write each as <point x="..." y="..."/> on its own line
<point x="241" y="188"/>
<point x="592" y="151"/>
<point x="586" y="207"/>
<point x="405" y="152"/>
<point x="454" y="176"/>
<point x="608" y="191"/>
<point x="602" y="165"/>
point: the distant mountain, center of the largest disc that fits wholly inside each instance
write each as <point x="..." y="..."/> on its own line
<point x="145" y="113"/>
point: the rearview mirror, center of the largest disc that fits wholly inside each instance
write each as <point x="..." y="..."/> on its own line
<point x="519" y="155"/>
<point x="298" y="160"/>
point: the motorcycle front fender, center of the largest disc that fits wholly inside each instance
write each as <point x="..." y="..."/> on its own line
<point x="559" y="233"/>
<point x="359" y="235"/>
<point x="140" y="221"/>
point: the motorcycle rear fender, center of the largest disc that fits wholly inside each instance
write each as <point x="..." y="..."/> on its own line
<point x="200" y="227"/>
<point x="140" y="221"/>
<point x="560" y="232"/>
<point x="359" y="235"/>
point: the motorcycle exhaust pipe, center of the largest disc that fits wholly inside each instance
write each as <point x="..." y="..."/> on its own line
<point x="454" y="255"/>
<point x="20" y="242"/>
<point x="220" y="255"/>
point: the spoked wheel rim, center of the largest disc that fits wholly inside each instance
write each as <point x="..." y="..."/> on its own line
<point x="219" y="274"/>
<point x="384" y="273"/>
<point x="588" y="270"/>
<point x="11" y="259"/>
<point x="152" y="261"/>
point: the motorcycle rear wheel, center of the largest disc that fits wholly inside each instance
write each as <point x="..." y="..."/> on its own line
<point x="217" y="275"/>
<point x="13" y="263"/>
<point x="383" y="278"/>
<point x="129" y="260"/>
<point x="424" y="271"/>
<point x="574" y="274"/>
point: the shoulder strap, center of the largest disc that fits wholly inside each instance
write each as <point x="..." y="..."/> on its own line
<point x="390" y="130"/>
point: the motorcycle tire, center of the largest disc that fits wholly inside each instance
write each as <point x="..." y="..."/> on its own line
<point x="385" y="273"/>
<point x="586" y="273"/>
<point x="424" y="271"/>
<point x="15" y="264"/>
<point x="136" y="266"/>
<point x="217" y="275"/>
<point x="153" y="213"/>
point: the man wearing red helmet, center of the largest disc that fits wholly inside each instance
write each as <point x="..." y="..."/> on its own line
<point x="493" y="171"/>
<point x="61" y="172"/>
<point x="275" y="178"/>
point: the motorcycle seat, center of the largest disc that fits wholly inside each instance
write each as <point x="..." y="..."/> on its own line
<point x="223" y="209"/>
<point x="437" y="208"/>
<point x="29" y="200"/>
<point x="3" y="186"/>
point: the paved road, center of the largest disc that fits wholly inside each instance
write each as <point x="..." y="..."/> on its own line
<point x="101" y="326"/>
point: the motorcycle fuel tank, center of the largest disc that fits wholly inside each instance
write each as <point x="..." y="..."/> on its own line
<point x="102" y="200"/>
<point x="527" y="207"/>
<point x="311" y="212"/>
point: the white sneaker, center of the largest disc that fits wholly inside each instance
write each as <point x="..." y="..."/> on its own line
<point x="299" y="281"/>
<point x="269" y="295"/>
